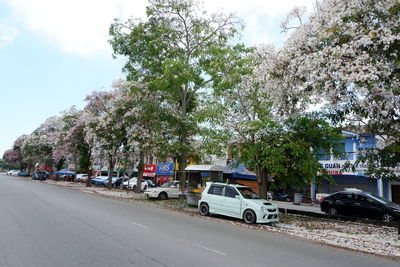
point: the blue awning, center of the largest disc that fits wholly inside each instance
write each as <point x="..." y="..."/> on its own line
<point x="65" y="172"/>
<point x="239" y="172"/>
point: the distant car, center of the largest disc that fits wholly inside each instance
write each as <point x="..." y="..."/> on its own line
<point x="23" y="173"/>
<point x="81" y="177"/>
<point x="39" y="175"/>
<point x="100" y="180"/>
<point x="131" y="184"/>
<point x="281" y="196"/>
<point x="150" y="183"/>
<point x="119" y="181"/>
<point x="236" y="201"/>
<point x="166" y="191"/>
<point x="360" y="204"/>
<point x="13" y="172"/>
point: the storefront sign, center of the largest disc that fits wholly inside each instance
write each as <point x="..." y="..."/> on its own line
<point x="165" y="169"/>
<point x="149" y="174"/>
<point x="149" y="168"/>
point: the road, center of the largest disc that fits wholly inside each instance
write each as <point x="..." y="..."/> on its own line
<point x="44" y="225"/>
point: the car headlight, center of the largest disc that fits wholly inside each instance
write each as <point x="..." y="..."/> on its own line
<point x="264" y="209"/>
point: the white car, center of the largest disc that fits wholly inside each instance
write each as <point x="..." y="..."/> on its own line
<point x="167" y="190"/>
<point x="81" y="177"/>
<point x="237" y="201"/>
<point x="131" y="184"/>
<point x="13" y="172"/>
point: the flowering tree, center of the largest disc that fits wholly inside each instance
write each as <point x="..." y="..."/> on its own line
<point x="12" y="157"/>
<point x="71" y="144"/>
<point x="38" y="146"/>
<point x="346" y="57"/>
<point x="178" y="51"/>
<point x="282" y="151"/>
<point x="104" y="127"/>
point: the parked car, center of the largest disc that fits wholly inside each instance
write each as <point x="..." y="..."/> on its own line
<point x="150" y="183"/>
<point x="81" y="177"/>
<point x="100" y="180"/>
<point x="360" y="204"/>
<point x="167" y="190"/>
<point x="23" y="173"/>
<point x="119" y="181"/>
<point x="39" y="175"/>
<point x="131" y="184"/>
<point x="236" y="201"/>
<point x="13" y="172"/>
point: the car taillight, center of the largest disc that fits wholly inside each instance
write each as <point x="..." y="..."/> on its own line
<point x="322" y="199"/>
<point x="200" y="197"/>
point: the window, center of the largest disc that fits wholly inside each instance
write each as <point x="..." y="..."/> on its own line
<point x="230" y="192"/>
<point x="344" y="196"/>
<point x="361" y="198"/>
<point x="340" y="149"/>
<point x="216" y="190"/>
<point x="323" y="155"/>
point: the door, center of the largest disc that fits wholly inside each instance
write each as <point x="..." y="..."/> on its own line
<point x="214" y="197"/>
<point x="230" y="205"/>
<point x="396" y="194"/>
<point x="173" y="191"/>
<point x="365" y="207"/>
<point x="343" y="203"/>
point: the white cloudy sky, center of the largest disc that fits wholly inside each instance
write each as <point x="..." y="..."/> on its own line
<point x="55" y="52"/>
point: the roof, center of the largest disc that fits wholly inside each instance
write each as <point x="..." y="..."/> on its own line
<point x="216" y="168"/>
<point x="233" y="185"/>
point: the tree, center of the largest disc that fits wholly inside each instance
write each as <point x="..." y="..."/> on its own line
<point x="178" y="51"/>
<point x="38" y="146"/>
<point x="104" y="127"/>
<point x="281" y="150"/>
<point x="346" y="57"/>
<point x="71" y="143"/>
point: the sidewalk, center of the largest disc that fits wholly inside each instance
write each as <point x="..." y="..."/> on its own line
<point x="303" y="207"/>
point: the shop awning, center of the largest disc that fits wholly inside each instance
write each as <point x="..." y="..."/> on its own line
<point x="239" y="172"/>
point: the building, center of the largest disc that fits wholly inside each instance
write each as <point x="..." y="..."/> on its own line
<point x="353" y="146"/>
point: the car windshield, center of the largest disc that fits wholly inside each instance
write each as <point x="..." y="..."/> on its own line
<point x="248" y="193"/>
<point x="379" y="199"/>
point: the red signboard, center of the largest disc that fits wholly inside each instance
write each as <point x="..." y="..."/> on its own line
<point x="149" y="174"/>
<point x="150" y="168"/>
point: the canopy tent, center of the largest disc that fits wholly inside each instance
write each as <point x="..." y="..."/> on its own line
<point x="65" y="172"/>
<point x="239" y="172"/>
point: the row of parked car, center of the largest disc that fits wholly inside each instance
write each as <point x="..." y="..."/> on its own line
<point x="241" y="202"/>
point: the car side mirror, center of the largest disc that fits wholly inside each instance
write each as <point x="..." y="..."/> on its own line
<point x="238" y="197"/>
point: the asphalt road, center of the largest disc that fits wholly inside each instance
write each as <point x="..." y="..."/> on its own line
<point x="44" y="225"/>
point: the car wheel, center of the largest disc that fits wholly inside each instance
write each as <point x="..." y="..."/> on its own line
<point x="204" y="209"/>
<point x="332" y="211"/>
<point x="163" y="196"/>
<point x="134" y="188"/>
<point x="387" y="217"/>
<point x="249" y="216"/>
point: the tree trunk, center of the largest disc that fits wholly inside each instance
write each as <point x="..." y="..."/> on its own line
<point x="140" y="174"/>
<point x="89" y="179"/>
<point x="262" y="179"/>
<point x="111" y="164"/>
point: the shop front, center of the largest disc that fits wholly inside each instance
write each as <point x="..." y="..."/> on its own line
<point x="164" y="173"/>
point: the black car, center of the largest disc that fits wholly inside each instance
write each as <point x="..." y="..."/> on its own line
<point x="119" y="181"/>
<point x="39" y="175"/>
<point x="360" y="204"/>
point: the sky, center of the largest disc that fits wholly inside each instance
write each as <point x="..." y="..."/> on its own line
<point x="53" y="53"/>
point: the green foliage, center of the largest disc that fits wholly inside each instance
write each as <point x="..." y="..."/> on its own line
<point x="287" y="151"/>
<point x="178" y="51"/>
